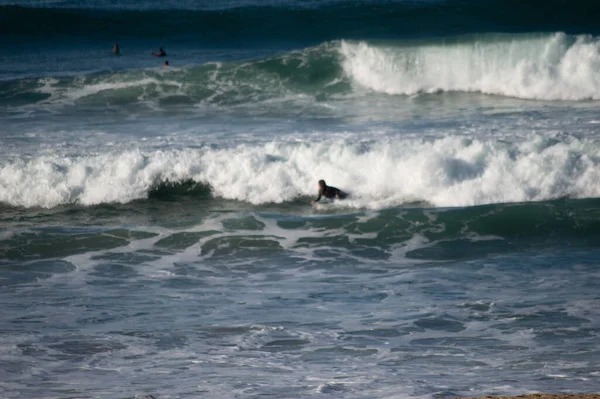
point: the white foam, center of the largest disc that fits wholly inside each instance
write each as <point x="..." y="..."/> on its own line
<point x="85" y="87"/>
<point x="449" y="171"/>
<point x="546" y="67"/>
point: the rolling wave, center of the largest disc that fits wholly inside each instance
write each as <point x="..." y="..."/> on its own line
<point x="533" y="66"/>
<point x="444" y="172"/>
<point x="312" y="71"/>
<point x="543" y="67"/>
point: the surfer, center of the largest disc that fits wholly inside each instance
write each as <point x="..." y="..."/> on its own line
<point x="166" y="64"/>
<point x="329" y="192"/>
<point x="116" y="49"/>
<point x="161" y="53"/>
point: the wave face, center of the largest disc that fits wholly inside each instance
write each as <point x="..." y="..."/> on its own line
<point x="556" y="67"/>
<point x="444" y="172"/>
<point x="243" y="22"/>
<point x="542" y="66"/>
<point x="312" y="71"/>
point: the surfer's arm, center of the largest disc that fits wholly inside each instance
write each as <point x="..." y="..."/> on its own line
<point x="317" y="200"/>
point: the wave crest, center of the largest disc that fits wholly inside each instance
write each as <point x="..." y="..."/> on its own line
<point x="443" y="172"/>
<point x="544" y="67"/>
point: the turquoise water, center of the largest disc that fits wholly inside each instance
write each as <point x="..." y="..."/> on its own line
<point x="157" y="238"/>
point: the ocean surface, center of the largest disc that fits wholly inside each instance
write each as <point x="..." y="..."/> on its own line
<point x="157" y="238"/>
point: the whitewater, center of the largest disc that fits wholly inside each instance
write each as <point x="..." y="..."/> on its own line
<point x="442" y="172"/>
<point x="556" y="67"/>
<point x="157" y="237"/>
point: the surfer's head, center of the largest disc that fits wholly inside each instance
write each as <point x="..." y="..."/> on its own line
<point x="322" y="183"/>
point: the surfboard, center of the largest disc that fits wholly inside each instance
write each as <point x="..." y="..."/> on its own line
<point x="323" y="203"/>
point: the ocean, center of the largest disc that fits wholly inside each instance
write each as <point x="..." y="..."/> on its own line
<point x="157" y="238"/>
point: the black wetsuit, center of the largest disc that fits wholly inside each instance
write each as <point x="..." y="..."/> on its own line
<point x="331" y="193"/>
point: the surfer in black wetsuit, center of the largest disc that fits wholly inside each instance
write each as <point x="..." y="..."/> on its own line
<point x="161" y="53"/>
<point x="329" y="192"/>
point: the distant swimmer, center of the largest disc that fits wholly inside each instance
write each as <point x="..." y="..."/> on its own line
<point x="329" y="192"/>
<point x="166" y="64"/>
<point x="116" y="49"/>
<point x="161" y="53"/>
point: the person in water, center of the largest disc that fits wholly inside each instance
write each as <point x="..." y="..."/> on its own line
<point x="116" y="49"/>
<point x="166" y="64"/>
<point x="161" y="53"/>
<point x="329" y="192"/>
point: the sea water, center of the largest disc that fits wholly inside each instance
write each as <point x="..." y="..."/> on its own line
<point x="157" y="238"/>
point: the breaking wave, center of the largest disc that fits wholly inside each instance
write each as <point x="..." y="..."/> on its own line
<point x="544" y="67"/>
<point x="444" y="172"/>
<point x="541" y="66"/>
